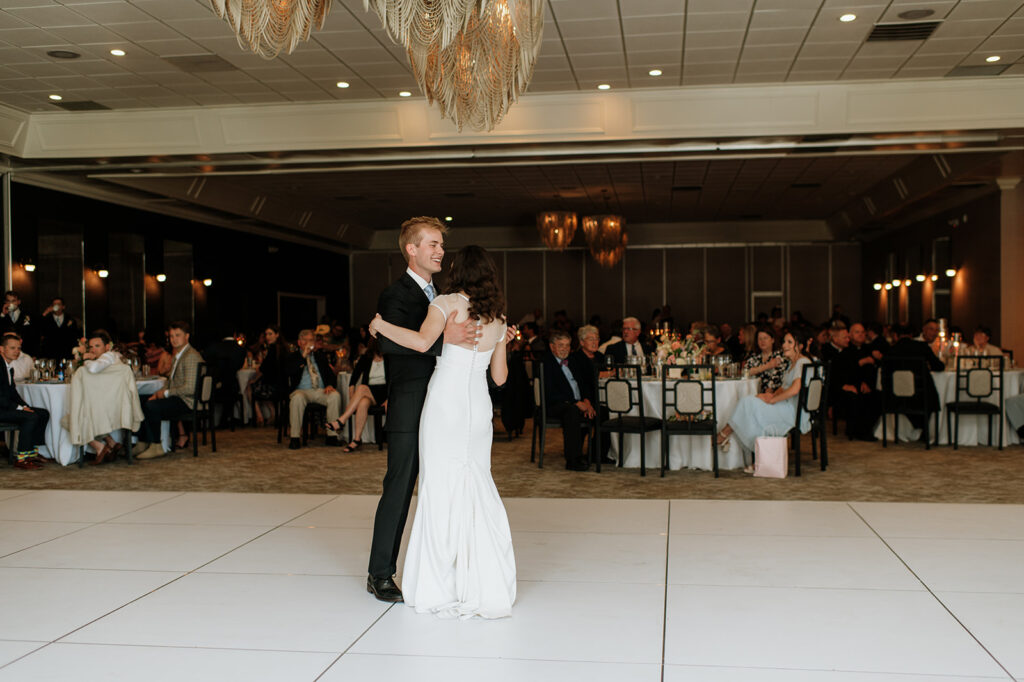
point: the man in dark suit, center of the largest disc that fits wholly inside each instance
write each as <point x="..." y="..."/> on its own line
<point x="58" y="331"/>
<point x="405" y="304"/>
<point x="571" y="397"/>
<point x="30" y="420"/>
<point x="854" y="375"/>
<point x="223" y="360"/>
<point x="532" y="342"/>
<point x="906" y="347"/>
<point x="14" y="319"/>
<point x="631" y="343"/>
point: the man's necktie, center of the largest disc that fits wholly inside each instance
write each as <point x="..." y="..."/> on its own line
<point x="11" y="370"/>
<point x="631" y="350"/>
<point x="429" y="291"/>
<point x="314" y="376"/>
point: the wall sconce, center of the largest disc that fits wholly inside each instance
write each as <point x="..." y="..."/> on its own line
<point x="877" y="286"/>
<point x="888" y="286"/>
<point x="950" y="272"/>
<point x="907" y="282"/>
<point x="920" y="278"/>
<point x="103" y="273"/>
<point x="161" y="277"/>
<point x="30" y="266"/>
<point x="896" y="282"/>
<point x="207" y="282"/>
<point x="935" y="278"/>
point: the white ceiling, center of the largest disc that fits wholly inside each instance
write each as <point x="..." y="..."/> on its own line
<point x="586" y="42"/>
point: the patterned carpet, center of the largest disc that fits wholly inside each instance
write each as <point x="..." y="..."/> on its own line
<point x="250" y="460"/>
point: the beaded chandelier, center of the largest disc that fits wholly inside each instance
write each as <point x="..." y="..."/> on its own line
<point x="557" y="228"/>
<point x="269" y="26"/>
<point x="607" y="238"/>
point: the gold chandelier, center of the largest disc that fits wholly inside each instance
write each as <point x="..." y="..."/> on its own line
<point x="606" y="236"/>
<point x="557" y="228"/>
<point x="473" y="57"/>
<point x="269" y="26"/>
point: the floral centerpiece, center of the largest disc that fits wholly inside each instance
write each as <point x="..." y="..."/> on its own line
<point x="676" y="349"/>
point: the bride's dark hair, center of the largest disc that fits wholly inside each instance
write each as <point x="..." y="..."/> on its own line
<point x="474" y="273"/>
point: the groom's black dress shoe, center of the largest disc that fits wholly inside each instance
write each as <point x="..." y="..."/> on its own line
<point x="384" y="589"/>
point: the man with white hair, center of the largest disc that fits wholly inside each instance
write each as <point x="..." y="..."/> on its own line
<point x="631" y="344"/>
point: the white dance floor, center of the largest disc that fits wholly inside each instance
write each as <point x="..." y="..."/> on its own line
<point x="209" y="586"/>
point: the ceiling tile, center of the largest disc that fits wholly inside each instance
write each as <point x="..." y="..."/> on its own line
<point x="594" y="61"/>
<point x="29" y="37"/>
<point x="714" y="39"/>
<point x="144" y="30"/>
<point x="592" y="28"/>
<point x="653" y="24"/>
<point x="819" y="65"/>
<point x="813" y="75"/>
<point x="567" y="10"/>
<point x="785" y="36"/>
<point x="764" y="66"/>
<point x="711" y="6"/>
<point x="785" y="52"/>
<point x="966" y="29"/>
<point x="725" y="54"/>
<point x="984" y="9"/>
<point x="940" y="7"/>
<point x="720" y="21"/>
<point x="50" y="16"/>
<point x="782" y="18"/>
<point x="112" y="13"/>
<point x="827" y="50"/>
<point x="163" y="10"/>
<point x="952" y="46"/>
<point x="87" y="35"/>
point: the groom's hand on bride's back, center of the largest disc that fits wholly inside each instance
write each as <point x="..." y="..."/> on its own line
<point x="461" y="332"/>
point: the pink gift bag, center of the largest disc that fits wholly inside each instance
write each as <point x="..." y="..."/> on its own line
<point x="771" y="457"/>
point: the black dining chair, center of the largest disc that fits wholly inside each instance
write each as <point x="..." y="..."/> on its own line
<point x="977" y="380"/>
<point x="688" y="408"/>
<point x="905" y="390"/>
<point x="202" y="410"/>
<point x="9" y="433"/>
<point x="620" y="395"/>
<point x="812" y="401"/>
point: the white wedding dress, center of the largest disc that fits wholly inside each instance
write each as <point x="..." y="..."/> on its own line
<point x="459" y="562"/>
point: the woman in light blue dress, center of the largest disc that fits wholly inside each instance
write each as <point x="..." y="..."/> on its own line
<point x="772" y="413"/>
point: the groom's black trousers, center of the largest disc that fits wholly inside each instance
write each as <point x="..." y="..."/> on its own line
<point x="393" y="508"/>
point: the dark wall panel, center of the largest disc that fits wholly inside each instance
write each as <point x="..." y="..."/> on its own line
<point x="565" y="284"/>
<point x="808" y="283"/>
<point x="726" y="286"/>
<point x="370" y="276"/>
<point x="766" y="268"/>
<point x="604" y="295"/>
<point x="847" y="277"/>
<point x="684" y="274"/>
<point x="643" y="283"/>
<point x="525" y="283"/>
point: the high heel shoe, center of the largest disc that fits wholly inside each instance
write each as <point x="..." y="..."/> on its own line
<point x="337" y="425"/>
<point x="724" y="443"/>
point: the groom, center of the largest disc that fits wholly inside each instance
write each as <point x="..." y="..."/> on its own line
<point x="405" y="304"/>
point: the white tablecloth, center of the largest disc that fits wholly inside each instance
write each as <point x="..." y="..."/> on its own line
<point x="973" y="428"/>
<point x="691" y="452"/>
<point x="53" y="397"/>
<point x="368" y="434"/>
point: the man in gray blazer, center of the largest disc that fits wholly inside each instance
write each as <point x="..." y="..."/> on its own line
<point x="176" y="400"/>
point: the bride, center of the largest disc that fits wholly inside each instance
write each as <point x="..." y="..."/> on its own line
<point x="459" y="562"/>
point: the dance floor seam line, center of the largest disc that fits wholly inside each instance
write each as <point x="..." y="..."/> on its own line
<point x="355" y="641"/>
<point x="664" y="597"/>
<point x="932" y="593"/>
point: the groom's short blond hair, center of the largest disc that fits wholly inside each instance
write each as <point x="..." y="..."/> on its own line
<point x="412" y="229"/>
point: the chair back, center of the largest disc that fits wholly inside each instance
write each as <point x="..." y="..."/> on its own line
<point x="204" y="387"/>
<point x="683" y="392"/>
<point x="1008" y="354"/>
<point x="979" y="378"/>
<point x="539" y="397"/>
<point x="621" y="392"/>
<point x="903" y="384"/>
<point x="813" y="397"/>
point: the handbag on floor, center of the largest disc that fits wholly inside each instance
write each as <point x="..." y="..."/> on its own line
<point x="771" y="456"/>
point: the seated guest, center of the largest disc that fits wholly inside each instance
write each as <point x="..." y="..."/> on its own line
<point x="713" y="348"/>
<point x="747" y="345"/>
<point x="532" y="341"/>
<point x="312" y="381"/>
<point x="838" y="340"/>
<point x="159" y="360"/>
<point x="173" y="402"/>
<point x="906" y="347"/>
<point x="1014" y="406"/>
<point x="631" y="344"/>
<point x="31" y="421"/>
<point x="822" y="337"/>
<point x="269" y="385"/>
<point x="768" y="363"/>
<point x="58" y="331"/>
<point x="108" y="403"/>
<point x="853" y="371"/>
<point x="588" y="350"/>
<point x="368" y="387"/>
<point x="24" y="364"/>
<point x="981" y="345"/>
<point x="732" y="342"/>
<point x="571" y="397"/>
<point x="876" y="340"/>
<point x="930" y="335"/>
<point x="223" y="360"/>
<point x="770" y="412"/>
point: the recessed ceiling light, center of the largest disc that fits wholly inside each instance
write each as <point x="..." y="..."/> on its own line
<point x="993" y="58"/>
<point x="847" y="18"/>
<point x="63" y="54"/>
<point x="117" y="53"/>
<point x="56" y="98"/>
<point x="654" y="72"/>
<point x="405" y="93"/>
<point x="342" y="84"/>
<point x="604" y="86"/>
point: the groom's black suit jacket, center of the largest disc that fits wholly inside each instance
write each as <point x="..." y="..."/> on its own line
<point x="404" y="304"/>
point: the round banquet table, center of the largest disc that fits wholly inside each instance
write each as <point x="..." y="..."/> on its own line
<point x="690" y="452"/>
<point x="973" y="428"/>
<point x="53" y="396"/>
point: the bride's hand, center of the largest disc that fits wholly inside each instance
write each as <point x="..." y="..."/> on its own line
<point x="375" y="325"/>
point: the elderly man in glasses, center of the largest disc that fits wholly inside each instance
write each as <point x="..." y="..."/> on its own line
<point x="632" y="344"/>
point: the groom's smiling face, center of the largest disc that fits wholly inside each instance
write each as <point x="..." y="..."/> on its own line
<point x="429" y="252"/>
